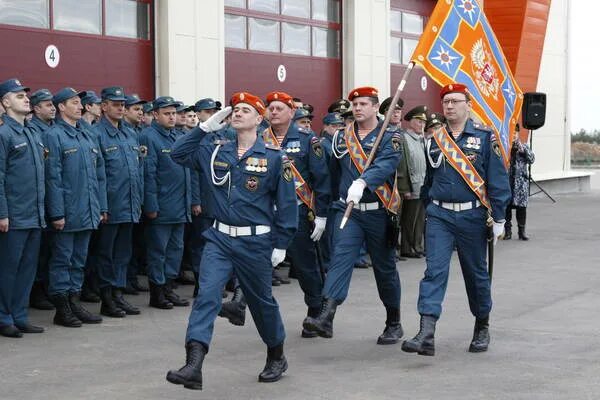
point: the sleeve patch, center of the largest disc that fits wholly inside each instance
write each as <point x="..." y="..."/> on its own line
<point x="286" y="169"/>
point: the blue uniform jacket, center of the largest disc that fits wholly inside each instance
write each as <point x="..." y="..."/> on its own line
<point x="167" y="185"/>
<point x="194" y="176"/>
<point x="75" y="177"/>
<point x="124" y="173"/>
<point x="248" y="199"/>
<point x="382" y="170"/>
<point x="38" y="125"/>
<point x="21" y="176"/>
<point x="304" y="149"/>
<point x="480" y="146"/>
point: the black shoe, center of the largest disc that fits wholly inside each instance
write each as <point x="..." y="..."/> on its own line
<point x="481" y="336"/>
<point x="38" y="298"/>
<point x="138" y="285"/>
<point x="186" y="277"/>
<point x="276" y="365"/>
<point x="88" y="295"/>
<point x="190" y="375"/>
<point x="507" y="234"/>
<point x="235" y="310"/>
<point x="393" y="328"/>
<point x="157" y="297"/>
<point x="130" y="290"/>
<point x="64" y="315"/>
<point x="10" y="331"/>
<point x="423" y="343"/>
<point x="108" y="307"/>
<point x="124" y="304"/>
<point x="280" y="278"/>
<point x="28" y="328"/>
<point x="80" y="312"/>
<point x="173" y="297"/>
<point x="522" y="235"/>
<point x="275" y="281"/>
<point x="322" y="323"/>
<point x="313" y="312"/>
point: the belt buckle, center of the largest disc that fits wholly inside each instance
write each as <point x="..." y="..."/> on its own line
<point x="456" y="207"/>
<point x="233" y="231"/>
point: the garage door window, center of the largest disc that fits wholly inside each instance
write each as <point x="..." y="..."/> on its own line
<point x="32" y="13"/>
<point x="406" y="29"/>
<point x="127" y="18"/>
<point x="78" y="16"/>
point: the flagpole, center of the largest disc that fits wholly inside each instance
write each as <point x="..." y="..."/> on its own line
<point x="386" y="122"/>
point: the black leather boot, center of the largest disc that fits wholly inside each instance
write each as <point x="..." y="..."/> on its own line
<point x="88" y="295"/>
<point x="26" y="327"/>
<point x="80" y="312"/>
<point x="108" y="307"/>
<point x="313" y="312"/>
<point x="235" y="310"/>
<point x="481" y="335"/>
<point x="322" y="323"/>
<point x="124" y="304"/>
<point x="422" y="344"/>
<point x="190" y="375"/>
<point x="393" y="328"/>
<point x="139" y="286"/>
<point x="507" y="233"/>
<point x="38" y="298"/>
<point x="522" y="235"/>
<point x="10" y="331"/>
<point x="64" y="315"/>
<point x="276" y="365"/>
<point x="157" y="297"/>
<point x="174" y="297"/>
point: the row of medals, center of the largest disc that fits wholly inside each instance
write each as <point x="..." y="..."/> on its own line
<point x="256" y="164"/>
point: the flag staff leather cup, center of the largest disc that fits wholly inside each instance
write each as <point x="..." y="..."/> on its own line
<point x="386" y="122"/>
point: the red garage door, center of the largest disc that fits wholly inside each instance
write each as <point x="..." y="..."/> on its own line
<point x="407" y="21"/>
<point x="288" y="45"/>
<point x="87" y="44"/>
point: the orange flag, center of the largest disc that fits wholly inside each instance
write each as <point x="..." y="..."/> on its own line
<point x="458" y="45"/>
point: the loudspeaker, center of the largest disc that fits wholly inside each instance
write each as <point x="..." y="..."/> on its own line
<point x="534" y="110"/>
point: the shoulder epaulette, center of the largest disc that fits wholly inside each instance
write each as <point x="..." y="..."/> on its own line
<point x="304" y="131"/>
<point x="482" y="127"/>
<point x="221" y="141"/>
<point x="272" y="147"/>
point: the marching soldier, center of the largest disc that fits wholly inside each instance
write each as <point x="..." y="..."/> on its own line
<point x="123" y="165"/>
<point x="43" y="118"/>
<point x="248" y="178"/>
<point x="21" y="209"/>
<point x="75" y="203"/>
<point x="466" y="180"/>
<point x="167" y="205"/>
<point x="373" y="193"/>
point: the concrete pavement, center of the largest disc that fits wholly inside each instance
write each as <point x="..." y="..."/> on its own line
<point x="545" y="329"/>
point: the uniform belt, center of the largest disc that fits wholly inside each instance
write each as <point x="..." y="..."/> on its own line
<point x="365" y="206"/>
<point x="469" y="205"/>
<point x="235" y="231"/>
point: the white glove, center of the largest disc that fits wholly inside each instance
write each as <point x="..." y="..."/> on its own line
<point x="355" y="191"/>
<point x="320" y="223"/>
<point x="215" y="122"/>
<point x="277" y="257"/>
<point x="498" y="229"/>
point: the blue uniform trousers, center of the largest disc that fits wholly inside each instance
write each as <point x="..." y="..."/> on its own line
<point x="197" y="241"/>
<point x="250" y="258"/>
<point x="113" y="253"/>
<point x="138" y="250"/>
<point x="467" y="230"/>
<point x="68" y="254"/>
<point x="18" y="262"/>
<point x="304" y="257"/>
<point x="164" y="251"/>
<point x="361" y="226"/>
<point x="41" y="275"/>
<point x="326" y="241"/>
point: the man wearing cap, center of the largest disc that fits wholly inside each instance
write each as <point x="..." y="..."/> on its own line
<point x="248" y="178"/>
<point x="309" y="165"/>
<point x="373" y="194"/>
<point x="411" y="174"/>
<point x="396" y="117"/>
<point x="134" y="113"/>
<point x="191" y="120"/>
<point x="167" y="204"/>
<point x="458" y="205"/>
<point x="21" y="209"/>
<point x="43" y="117"/>
<point x="303" y="118"/>
<point x="124" y="190"/>
<point x="91" y="108"/>
<point x="148" y="114"/>
<point x="434" y="121"/>
<point x="205" y="108"/>
<point x="75" y="204"/>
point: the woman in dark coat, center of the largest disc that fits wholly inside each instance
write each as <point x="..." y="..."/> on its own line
<point x="521" y="158"/>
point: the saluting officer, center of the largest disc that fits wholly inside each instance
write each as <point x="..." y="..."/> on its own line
<point x="457" y="211"/>
<point x="75" y="203"/>
<point x="21" y="209"/>
<point x="248" y="178"/>
<point x="372" y="191"/>
<point x="43" y="118"/>
<point x="124" y="191"/>
<point x="167" y="205"/>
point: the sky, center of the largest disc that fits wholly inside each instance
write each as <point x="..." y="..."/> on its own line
<point x="584" y="67"/>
